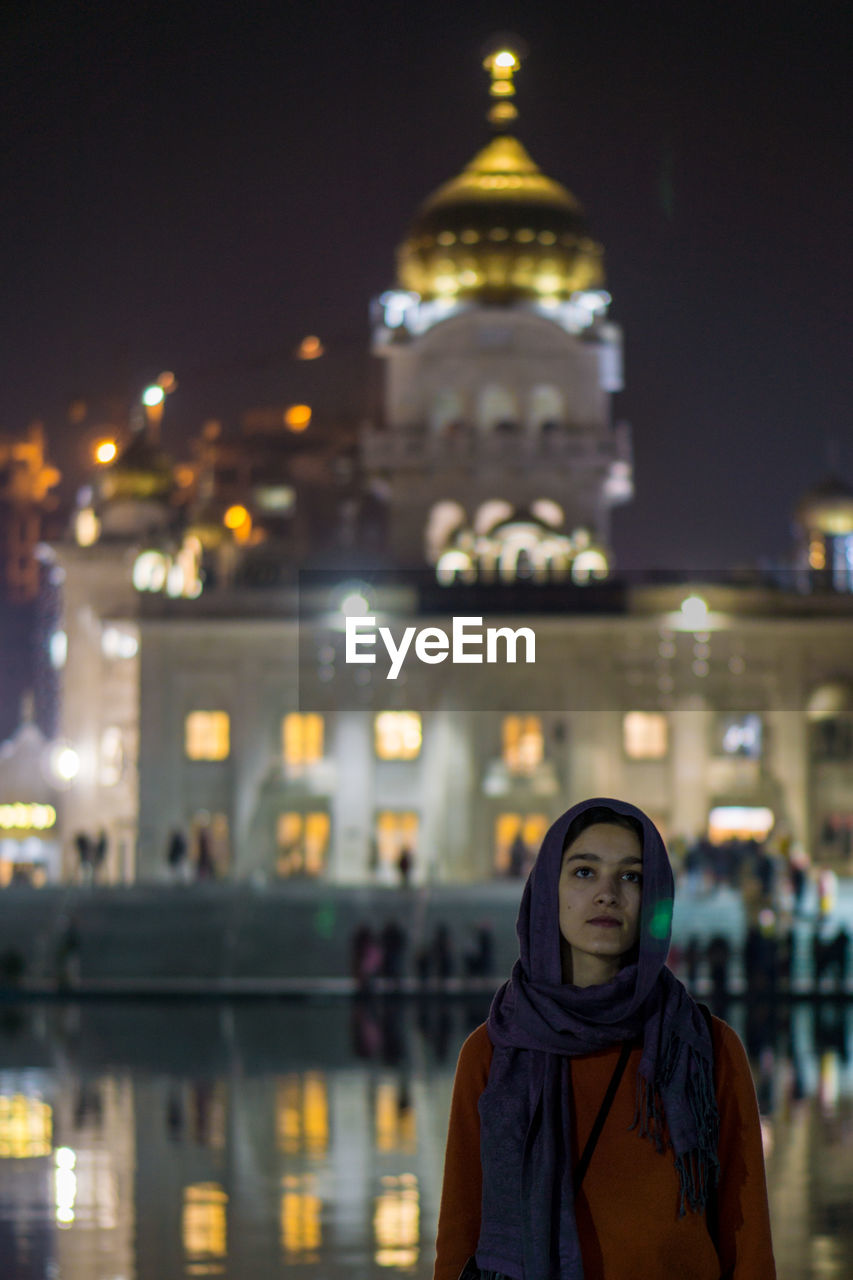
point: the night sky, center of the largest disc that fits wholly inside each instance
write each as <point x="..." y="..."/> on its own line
<point x="196" y="187"/>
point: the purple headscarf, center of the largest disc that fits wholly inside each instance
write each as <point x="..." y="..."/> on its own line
<point x="537" y="1022"/>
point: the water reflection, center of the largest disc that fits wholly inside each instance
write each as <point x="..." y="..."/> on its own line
<point x="148" y="1140"/>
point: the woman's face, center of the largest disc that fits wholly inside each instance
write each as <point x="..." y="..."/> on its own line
<point x="600" y="891"/>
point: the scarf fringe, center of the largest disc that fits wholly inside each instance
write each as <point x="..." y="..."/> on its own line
<point x="699" y="1168"/>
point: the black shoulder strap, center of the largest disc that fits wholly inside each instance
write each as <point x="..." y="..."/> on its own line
<point x="712" y="1204"/>
<point x="618" y="1072"/>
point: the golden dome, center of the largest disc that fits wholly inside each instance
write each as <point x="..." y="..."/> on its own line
<point x="826" y="508"/>
<point x="498" y="232"/>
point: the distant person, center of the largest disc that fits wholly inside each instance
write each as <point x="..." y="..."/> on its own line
<point x="176" y="856"/>
<point x="675" y="1186"/>
<point x="68" y="956"/>
<point x="718" y="954"/>
<point x="441" y="953"/>
<point x="798" y="867"/>
<point x="479" y="957"/>
<point x="205" y="868"/>
<point x="405" y="865"/>
<point x="518" y="858"/>
<point x="829" y="954"/>
<point x="366" y="957"/>
<point x="393" y="941"/>
<point x="761" y="960"/>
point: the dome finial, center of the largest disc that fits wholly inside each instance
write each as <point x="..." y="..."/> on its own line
<point x="502" y="59"/>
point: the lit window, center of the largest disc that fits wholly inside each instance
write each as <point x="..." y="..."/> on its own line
<point x="397" y="735"/>
<point x="396" y="1221"/>
<point x="302" y="1114"/>
<point x="395" y="831"/>
<point x="207" y="735"/>
<point x="523" y="743"/>
<point x="644" y="735"/>
<point x="203" y="1225"/>
<point x="517" y="840"/>
<point x="303" y="844"/>
<point x="26" y="1126"/>
<point x="302" y="738"/>
<point x="301" y="1218"/>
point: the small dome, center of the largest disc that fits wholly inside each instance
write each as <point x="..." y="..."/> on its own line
<point x="829" y="701"/>
<point x="826" y="508"/>
<point x="500" y="231"/>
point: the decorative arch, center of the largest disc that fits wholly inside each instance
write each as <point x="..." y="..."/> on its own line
<point x="447" y="411"/>
<point x="496" y="407"/>
<point x="546" y="407"/>
<point x="490" y="513"/>
<point x="445" y="519"/>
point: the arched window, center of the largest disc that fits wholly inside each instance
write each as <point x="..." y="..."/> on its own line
<point x="546" y="408"/>
<point x="491" y="513"/>
<point x="447" y="412"/>
<point x="443" y="521"/>
<point x="496" y="405"/>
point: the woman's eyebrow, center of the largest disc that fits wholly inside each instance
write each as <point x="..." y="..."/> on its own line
<point x="593" y="857"/>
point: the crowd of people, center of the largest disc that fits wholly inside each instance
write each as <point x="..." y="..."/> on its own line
<point x="384" y="954"/>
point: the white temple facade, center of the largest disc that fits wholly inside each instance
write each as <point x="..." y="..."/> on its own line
<point x="206" y="689"/>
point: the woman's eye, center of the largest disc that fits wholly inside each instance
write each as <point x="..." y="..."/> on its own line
<point x="581" y="871"/>
<point x="636" y="878"/>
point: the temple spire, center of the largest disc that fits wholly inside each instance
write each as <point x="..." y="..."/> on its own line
<point x="502" y="61"/>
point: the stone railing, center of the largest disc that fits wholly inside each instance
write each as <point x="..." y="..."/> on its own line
<point x="397" y="448"/>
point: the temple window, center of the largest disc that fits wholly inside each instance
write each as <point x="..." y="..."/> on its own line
<point x="207" y="735"/>
<point x="523" y="743"/>
<point x="302" y="840"/>
<point x="517" y="840"/>
<point x="302" y="738"/>
<point x="495" y="405"/>
<point x="645" y="735"/>
<point x="397" y="735"/>
<point x="546" y="408"/>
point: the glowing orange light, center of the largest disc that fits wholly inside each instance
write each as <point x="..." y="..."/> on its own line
<point x="297" y="417"/>
<point x="235" y="517"/>
<point x="184" y="475"/>
<point x="167" y="381"/>
<point x="105" y="451"/>
<point x="310" y="348"/>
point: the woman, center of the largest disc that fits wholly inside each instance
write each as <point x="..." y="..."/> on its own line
<point x="674" y="1187"/>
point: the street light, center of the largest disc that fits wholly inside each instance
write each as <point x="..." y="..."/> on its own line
<point x="153" y="399"/>
<point x="153" y="396"/>
<point x="105" y="452"/>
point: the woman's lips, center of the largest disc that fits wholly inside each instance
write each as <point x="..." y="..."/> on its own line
<point x="605" y="922"/>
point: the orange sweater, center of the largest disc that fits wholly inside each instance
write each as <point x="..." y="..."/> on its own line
<point x="627" y="1207"/>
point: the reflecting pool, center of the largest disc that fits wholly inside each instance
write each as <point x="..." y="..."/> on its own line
<point x="159" y="1140"/>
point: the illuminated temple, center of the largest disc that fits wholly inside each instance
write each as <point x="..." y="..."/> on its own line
<point x="201" y="648"/>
